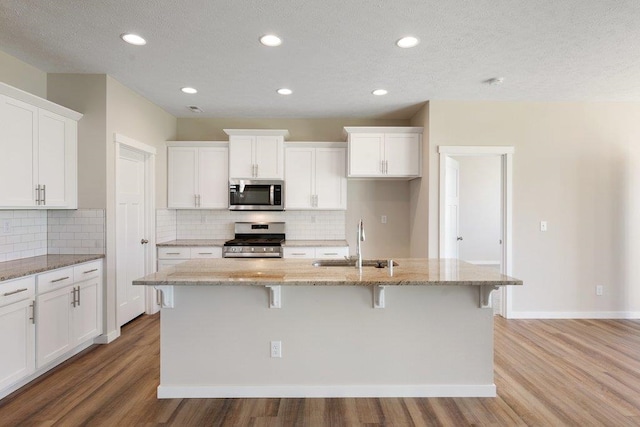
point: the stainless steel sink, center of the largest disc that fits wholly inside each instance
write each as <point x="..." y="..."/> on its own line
<point x="378" y="263"/>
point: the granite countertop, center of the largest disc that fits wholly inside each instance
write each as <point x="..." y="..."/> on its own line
<point x="220" y="242"/>
<point x="316" y="243"/>
<point x="193" y="242"/>
<point x="292" y="272"/>
<point x="39" y="264"/>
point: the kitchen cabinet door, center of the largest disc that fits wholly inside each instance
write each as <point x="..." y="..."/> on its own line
<point x="53" y="325"/>
<point x="300" y="178"/>
<point x="330" y="179"/>
<point x="182" y="177"/>
<point x="87" y="317"/>
<point x="18" y="138"/>
<point x="17" y="335"/>
<point x="213" y="178"/>
<point x="256" y="156"/>
<point x="241" y="156"/>
<point x="366" y="154"/>
<point x="56" y="160"/>
<point x="269" y="157"/>
<point x="402" y="154"/>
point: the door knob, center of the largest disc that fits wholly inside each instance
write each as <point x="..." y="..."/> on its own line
<point x="144" y="241"/>
<point x="459" y="238"/>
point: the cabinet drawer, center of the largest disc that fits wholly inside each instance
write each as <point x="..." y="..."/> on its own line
<point x="87" y="271"/>
<point x="174" y="253"/>
<point x="337" y="252"/>
<point x="294" y="252"/>
<point x="17" y="290"/>
<point x="206" y="252"/>
<point x="55" y="279"/>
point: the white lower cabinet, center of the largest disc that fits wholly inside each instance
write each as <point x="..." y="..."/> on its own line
<point x="169" y="256"/>
<point x="17" y="330"/>
<point x="319" y="252"/>
<point x="47" y="318"/>
<point x="69" y="315"/>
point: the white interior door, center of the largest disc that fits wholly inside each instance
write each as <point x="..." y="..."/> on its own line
<point x="130" y="233"/>
<point x="452" y="208"/>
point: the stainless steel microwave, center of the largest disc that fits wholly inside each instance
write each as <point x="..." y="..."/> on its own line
<point x="256" y="195"/>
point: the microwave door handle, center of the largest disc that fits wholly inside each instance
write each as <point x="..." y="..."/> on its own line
<point x="271" y="195"/>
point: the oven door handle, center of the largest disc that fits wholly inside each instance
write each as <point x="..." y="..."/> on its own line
<point x="271" y="194"/>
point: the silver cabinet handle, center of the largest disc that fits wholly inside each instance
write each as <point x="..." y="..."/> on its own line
<point x="89" y="271"/>
<point x="73" y="297"/>
<point x="198" y="200"/>
<point x="298" y="253"/>
<point x="38" y="194"/>
<point x="60" y="279"/>
<point x="17" y="291"/>
<point x="173" y="253"/>
<point x="33" y="312"/>
<point x="330" y="253"/>
<point x="382" y="166"/>
<point x="195" y="200"/>
<point x="78" y="295"/>
<point x="144" y="241"/>
<point x="205" y="253"/>
<point x="459" y="238"/>
<point x="44" y="194"/>
<point x="257" y="170"/>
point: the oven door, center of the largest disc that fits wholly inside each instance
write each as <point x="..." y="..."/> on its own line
<point x="251" y="195"/>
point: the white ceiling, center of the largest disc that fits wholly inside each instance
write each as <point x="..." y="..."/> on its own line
<point x="335" y="52"/>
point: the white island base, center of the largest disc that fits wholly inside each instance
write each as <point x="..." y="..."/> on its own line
<point x="428" y="341"/>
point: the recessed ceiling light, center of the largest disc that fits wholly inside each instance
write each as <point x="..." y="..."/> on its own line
<point x="284" y="91"/>
<point x="407" y="42"/>
<point x="189" y="90"/>
<point x="379" y="92"/>
<point x="133" y="39"/>
<point x="270" y="40"/>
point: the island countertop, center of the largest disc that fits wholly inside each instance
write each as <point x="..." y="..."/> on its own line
<point x="297" y="272"/>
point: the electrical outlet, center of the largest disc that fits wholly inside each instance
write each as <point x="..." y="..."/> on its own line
<point x="599" y="290"/>
<point x="543" y="225"/>
<point x="6" y="227"/>
<point x="383" y="219"/>
<point x="276" y="348"/>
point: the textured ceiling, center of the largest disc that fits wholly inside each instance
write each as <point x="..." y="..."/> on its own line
<point x="335" y="52"/>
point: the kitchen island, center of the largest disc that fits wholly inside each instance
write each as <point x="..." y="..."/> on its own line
<point x="423" y="329"/>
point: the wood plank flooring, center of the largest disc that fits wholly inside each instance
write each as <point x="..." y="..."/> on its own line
<point x="548" y="373"/>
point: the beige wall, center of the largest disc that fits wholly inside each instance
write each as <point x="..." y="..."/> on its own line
<point x="577" y="166"/>
<point x="22" y="75"/>
<point x="419" y="195"/>
<point x="87" y="94"/>
<point x="133" y="116"/>
<point x="202" y="129"/>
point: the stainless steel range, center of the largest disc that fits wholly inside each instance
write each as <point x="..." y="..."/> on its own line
<point x="255" y="240"/>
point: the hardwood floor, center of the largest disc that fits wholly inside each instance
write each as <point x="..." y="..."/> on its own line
<point x="548" y="373"/>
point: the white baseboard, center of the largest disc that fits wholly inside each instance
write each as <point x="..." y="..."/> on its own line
<point x="574" y="315"/>
<point x="107" y="338"/>
<point x="299" y="391"/>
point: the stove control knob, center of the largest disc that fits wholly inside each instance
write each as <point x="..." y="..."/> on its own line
<point x="264" y="249"/>
<point x="252" y="249"/>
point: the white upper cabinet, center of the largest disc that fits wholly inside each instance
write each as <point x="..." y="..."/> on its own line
<point x="315" y="177"/>
<point x="38" y="139"/>
<point x="256" y="153"/>
<point x="385" y="152"/>
<point x="198" y="176"/>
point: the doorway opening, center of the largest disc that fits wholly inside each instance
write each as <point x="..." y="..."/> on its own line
<point x="476" y="210"/>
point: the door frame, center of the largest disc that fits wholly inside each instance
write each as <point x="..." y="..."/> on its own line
<point x="149" y="153"/>
<point x="506" y="208"/>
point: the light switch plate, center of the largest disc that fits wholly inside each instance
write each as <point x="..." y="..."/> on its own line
<point x="543" y="225"/>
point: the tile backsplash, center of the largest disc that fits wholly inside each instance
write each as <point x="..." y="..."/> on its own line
<point x="79" y="231"/>
<point x="23" y="234"/>
<point x="217" y="224"/>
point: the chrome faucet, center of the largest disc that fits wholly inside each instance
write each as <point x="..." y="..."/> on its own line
<point x="360" y="239"/>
